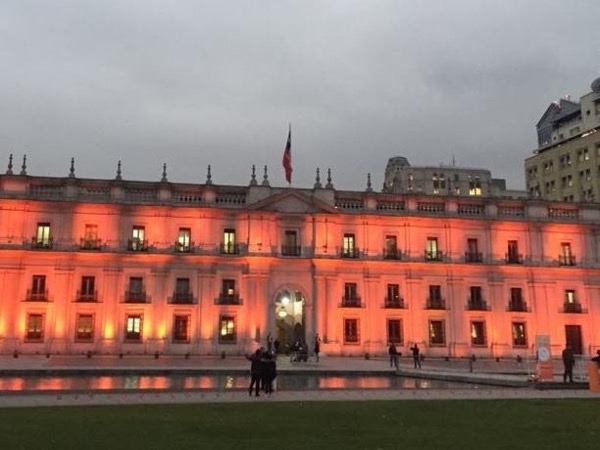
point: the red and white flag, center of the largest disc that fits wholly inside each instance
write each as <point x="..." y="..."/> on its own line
<point x="287" y="157"/>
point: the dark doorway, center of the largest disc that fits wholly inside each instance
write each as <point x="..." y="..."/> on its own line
<point x="573" y="338"/>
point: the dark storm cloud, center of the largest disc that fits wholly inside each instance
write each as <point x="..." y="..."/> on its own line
<point x="193" y="83"/>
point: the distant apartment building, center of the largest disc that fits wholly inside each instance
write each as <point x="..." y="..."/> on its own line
<point x="566" y="164"/>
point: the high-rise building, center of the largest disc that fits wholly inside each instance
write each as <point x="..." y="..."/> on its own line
<point x="566" y="164"/>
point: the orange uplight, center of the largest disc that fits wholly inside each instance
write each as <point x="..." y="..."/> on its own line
<point x="162" y="330"/>
<point x="109" y="331"/>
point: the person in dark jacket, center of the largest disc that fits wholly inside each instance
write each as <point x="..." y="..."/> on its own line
<point x="269" y="372"/>
<point x="568" y="362"/>
<point x="255" y="371"/>
<point x="416" y="353"/>
<point x="393" y="352"/>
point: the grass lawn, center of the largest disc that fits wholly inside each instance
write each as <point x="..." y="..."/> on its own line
<point x="427" y="424"/>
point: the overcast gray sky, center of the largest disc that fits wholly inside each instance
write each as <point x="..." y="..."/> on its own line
<point x="192" y="83"/>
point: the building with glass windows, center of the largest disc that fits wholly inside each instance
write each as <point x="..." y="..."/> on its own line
<point x="117" y="266"/>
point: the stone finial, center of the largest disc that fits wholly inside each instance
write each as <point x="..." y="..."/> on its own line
<point x="72" y="168"/>
<point x="24" y="166"/>
<point x="253" y="181"/>
<point x="369" y="187"/>
<point x="265" y="181"/>
<point x="10" y="165"/>
<point x="208" y="175"/>
<point x="164" y="174"/>
<point x="118" y="177"/>
<point x="329" y="184"/>
<point x="318" y="179"/>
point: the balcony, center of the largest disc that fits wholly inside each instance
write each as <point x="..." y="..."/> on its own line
<point x="87" y="296"/>
<point x="477" y="305"/>
<point x="517" y="306"/>
<point x="433" y="255"/>
<point x="394" y="303"/>
<point x="36" y="295"/>
<point x="290" y="250"/>
<point x="183" y="298"/>
<point x="473" y="257"/>
<point x="229" y="249"/>
<point x="89" y="244"/>
<point x="351" y="302"/>
<point x="566" y="260"/>
<point x="573" y="308"/>
<point x="435" y="303"/>
<point x="180" y="247"/>
<point x="228" y="299"/>
<point x="393" y="254"/>
<point x="511" y="258"/>
<point x="350" y="253"/>
<point x="137" y="245"/>
<point x="44" y="244"/>
<point x="135" y="297"/>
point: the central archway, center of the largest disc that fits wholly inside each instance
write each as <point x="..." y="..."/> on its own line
<point x="290" y="325"/>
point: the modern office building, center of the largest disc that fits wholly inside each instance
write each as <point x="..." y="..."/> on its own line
<point x="566" y="164"/>
<point x="118" y="266"/>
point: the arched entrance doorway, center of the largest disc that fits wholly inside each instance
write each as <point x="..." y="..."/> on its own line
<point x="289" y="319"/>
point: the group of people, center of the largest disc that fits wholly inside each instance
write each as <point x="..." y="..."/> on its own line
<point x="263" y="371"/>
<point x="395" y="354"/>
<point x="568" y="358"/>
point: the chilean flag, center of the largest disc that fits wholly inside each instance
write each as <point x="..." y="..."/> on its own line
<point x="287" y="157"/>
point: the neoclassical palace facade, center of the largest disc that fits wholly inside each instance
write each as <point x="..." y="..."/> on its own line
<point x="116" y="266"/>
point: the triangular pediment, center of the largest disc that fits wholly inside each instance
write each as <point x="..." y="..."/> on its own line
<point x="293" y="201"/>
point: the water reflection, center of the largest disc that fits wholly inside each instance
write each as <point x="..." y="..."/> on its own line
<point x="213" y="382"/>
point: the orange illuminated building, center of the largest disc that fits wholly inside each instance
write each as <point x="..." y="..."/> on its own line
<point x="116" y="266"/>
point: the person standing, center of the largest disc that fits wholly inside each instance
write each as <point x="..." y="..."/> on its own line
<point x="269" y="372"/>
<point x="317" y="348"/>
<point x="255" y="371"/>
<point x="393" y="352"/>
<point x="568" y="362"/>
<point x="416" y="354"/>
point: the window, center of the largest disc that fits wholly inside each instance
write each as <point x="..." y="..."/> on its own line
<point x="478" y="333"/>
<point x="519" y="334"/>
<point x="183" y="243"/>
<point x="183" y="293"/>
<point x="137" y="242"/>
<point x="349" y="246"/>
<point x="432" y="252"/>
<point x="227" y="330"/>
<point x="391" y="247"/>
<point x="84" y="328"/>
<point x="395" y="333"/>
<point x="516" y="301"/>
<point x="512" y="254"/>
<point x="38" y="287"/>
<point x="136" y="290"/>
<point x="228" y="295"/>
<point x="229" y="245"/>
<point x="351" y="297"/>
<point x="393" y="296"/>
<point x="290" y="244"/>
<point x="228" y="287"/>
<point x="90" y="239"/>
<point x="570" y="296"/>
<point x="474" y="186"/>
<point x="435" y="300"/>
<point x="181" y="328"/>
<point x="436" y="183"/>
<point x="566" y="258"/>
<point x="35" y="327"/>
<point x="476" y="298"/>
<point x="88" y="289"/>
<point x="42" y="236"/>
<point x="572" y="305"/>
<point x="473" y="254"/>
<point x="133" y="327"/>
<point x="351" y="333"/>
<point x="437" y="333"/>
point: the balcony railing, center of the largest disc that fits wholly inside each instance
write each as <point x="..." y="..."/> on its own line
<point x="394" y="303"/>
<point x="87" y="296"/>
<point x="566" y="260"/>
<point x="42" y="243"/>
<point x="435" y="303"/>
<point x="572" y="308"/>
<point x="135" y="297"/>
<point x="229" y="249"/>
<point x="351" y="253"/>
<point x="511" y="258"/>
<point x="137" y="245"/>
<point x="228" y="299"/>
<point x="351" y="302"/>
<point x="37" y="295"/>
<point x="183" y="298"/>
<point x="473" y="257"/>
<point x="90" y="244"/>
<point x="392" y="254"/>
<point x="433" y="255"/>
<point x="477" y="305"/>
<point x="179" y="247"/>
<point x="517" y="306"/>
<point x="290" y="250"/>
